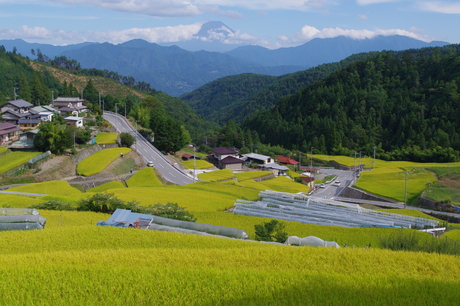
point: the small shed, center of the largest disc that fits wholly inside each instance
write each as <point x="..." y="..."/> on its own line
<point x="71" y="120"/>
<point x="231" y="162"/>
<point x="20" y="219"/>
<point x="287" y="160"/>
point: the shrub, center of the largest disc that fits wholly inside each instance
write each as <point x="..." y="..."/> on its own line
<point x="54" y="205"/>
<point x="170" y="211"/>
<point x="271" y="231"/>
<point x="126" y="139"/>
<point x="106" y="203"/>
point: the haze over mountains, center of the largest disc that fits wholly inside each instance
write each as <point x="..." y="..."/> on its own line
<point x="175" y="70"/>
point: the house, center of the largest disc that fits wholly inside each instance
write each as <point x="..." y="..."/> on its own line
<point x="17" y="106"/>
<point x="9" y="132"/>
<point x="26" y="140"/>
<point x="230" y="162"/>
<point x="26" y="124"/>
<point x="287" y="160"/>
<point x="71" y="120"/>
<point x="225" y="158"/>
<point x="187" y="156"/>
<point x="44" y="113"/>
<point x="73" y="105"/>
<point x="275" y="168"/>
<point x="257" y="159"/>
<point x="13" y="117"/>
<point x="309" y="181"/>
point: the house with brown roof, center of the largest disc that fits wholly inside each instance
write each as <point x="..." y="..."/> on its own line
<point x="225" y="158"/>
<point x="73" y="105"/>
<point x="9" y="132"/>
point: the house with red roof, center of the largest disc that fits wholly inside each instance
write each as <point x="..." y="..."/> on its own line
<point x="286" y="160"/>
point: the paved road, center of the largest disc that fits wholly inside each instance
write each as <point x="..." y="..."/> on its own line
<point x="332" y="191"/>
<point x="149" y="152"/>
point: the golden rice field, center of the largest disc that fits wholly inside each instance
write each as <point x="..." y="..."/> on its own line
<point x="3" y="149"/>
<point x="74" y="262"/>
<point x="388" y="177"/>
<point x="199" y="164"/>
<point x="144" y="178"/>
<point x="106" y="186"/>
<point x="89" y="265"/>
<point x="100" y="160"/>
<point x="218" y="175"/>
<point x="106" y="138"/>
<point x="14" y="159"/>
<point x="249" y="175"/>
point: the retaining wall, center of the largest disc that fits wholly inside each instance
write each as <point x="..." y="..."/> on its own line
<point x="353" y="193"/>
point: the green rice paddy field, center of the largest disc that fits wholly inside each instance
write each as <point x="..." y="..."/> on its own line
<point x="74" y="262"/>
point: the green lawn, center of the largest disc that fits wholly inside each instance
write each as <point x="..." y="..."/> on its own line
<point x="106" y="138"/>
<point x="98" y="161"/>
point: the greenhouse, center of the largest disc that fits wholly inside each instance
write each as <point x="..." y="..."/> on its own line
<point x="20" y="219"/>
<point x="313" y="210"/>
<point x="127" y="218"/>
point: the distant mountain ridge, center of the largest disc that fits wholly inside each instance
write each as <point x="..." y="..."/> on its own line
<point x="176" y="71"/>
<point x="320" y="51"/>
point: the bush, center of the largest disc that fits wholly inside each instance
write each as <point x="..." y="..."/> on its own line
<point x="271" y="231"/>
<point x="170" y="211"/>
<point x="105" y="203"/>
<point x="54" y="205"/>
<point x="126" y="139"/>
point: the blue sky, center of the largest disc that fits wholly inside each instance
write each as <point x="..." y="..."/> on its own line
<point x="269" y="23"/>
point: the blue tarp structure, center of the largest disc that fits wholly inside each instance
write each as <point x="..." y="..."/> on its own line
<point x="127" y="218"/>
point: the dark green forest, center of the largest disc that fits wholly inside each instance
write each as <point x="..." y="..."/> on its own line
<point x="235" y="97"/>
<point x="406" y="104"/>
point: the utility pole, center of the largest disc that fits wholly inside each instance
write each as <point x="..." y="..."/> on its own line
<point x="355" y="163"/>
<point x="82" y="94"/>
<point x="374" y="158"/>
<point x="405" y="190"/>
<point x="14" y="90"/>
<point x="194" y="163"/>
<point x="52" y="96"/>
<point x="116" y="108"/>
<point x="311" y="157"/>
<point x="99" y="99"/>
<point x="125" y="109"/>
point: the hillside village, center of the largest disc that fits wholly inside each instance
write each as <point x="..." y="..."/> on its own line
<point x="94" y="177"/>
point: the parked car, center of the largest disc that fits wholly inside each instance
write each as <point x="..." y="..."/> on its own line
<point x="322" y="186"/>
<point x="150" y="164"/>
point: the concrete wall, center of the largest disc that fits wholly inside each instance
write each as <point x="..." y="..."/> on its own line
<point x="85" y="153"/>
<point x="354" y="193"/>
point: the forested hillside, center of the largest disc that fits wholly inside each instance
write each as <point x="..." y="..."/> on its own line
<point x="235" y="97"/>
<point x="407" y="104"/>
<point x="37" y="82"/>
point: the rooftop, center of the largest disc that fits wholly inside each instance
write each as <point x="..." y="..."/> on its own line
<point x="20" y="103"/>
<point x="224" y="150"/>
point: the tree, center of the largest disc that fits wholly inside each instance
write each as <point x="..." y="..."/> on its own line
<point x="90" y="93"/>
<point x="271" y="231"/>
<point x="54" y="137"/>
<point x="126" y="139"/>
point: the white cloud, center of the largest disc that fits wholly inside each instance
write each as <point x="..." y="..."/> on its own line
<point x="308" y="33"/>
<point x="157" y="8"/>
<point x="362" y="17"/>
<point x="181" y="8"/>
<point x="157" y="35"/>
<point x="214" y="9"/>
<point x="367" y="2"/>
<point x="441" y="7"/>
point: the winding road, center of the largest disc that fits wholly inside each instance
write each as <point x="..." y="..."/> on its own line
<point x="148" y="151"/>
